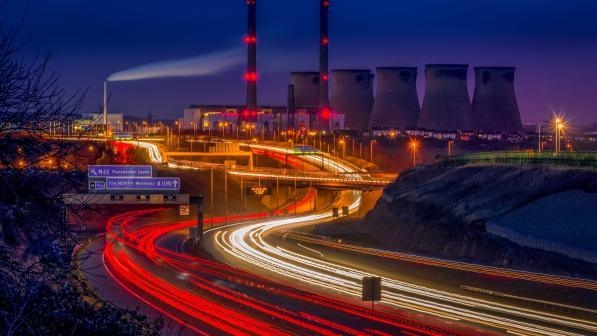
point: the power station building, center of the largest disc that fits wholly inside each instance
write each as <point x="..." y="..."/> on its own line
<point x="494" y="103"/>
<point x="446" y="104"/>
<point x="396" y="101"/>
<point x="352" y="96"/>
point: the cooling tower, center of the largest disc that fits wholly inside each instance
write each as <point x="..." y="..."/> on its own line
<point x="396" y="102"/>
<point x="446" y="105"/>
<point x="352" y="95"/>
<point x="494" y="104"/>
<point x="306" y="88"/>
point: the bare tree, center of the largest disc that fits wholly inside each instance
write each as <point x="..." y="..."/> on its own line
<point x="39" y="290"/>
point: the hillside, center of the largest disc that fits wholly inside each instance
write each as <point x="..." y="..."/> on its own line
<point x="446" y="212"/>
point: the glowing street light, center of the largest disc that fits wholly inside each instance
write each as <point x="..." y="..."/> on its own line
<point x="450" y="143"/>
<point x="343" y="143"/>
<point x="413" y="146"/>
<point x="559" y="127"/>
<point x="371" y="149"/>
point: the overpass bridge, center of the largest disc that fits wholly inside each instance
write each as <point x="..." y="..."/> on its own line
<point x="282" y="176"/>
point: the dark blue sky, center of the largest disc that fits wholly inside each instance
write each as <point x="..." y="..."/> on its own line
<point x="552" y="42"/>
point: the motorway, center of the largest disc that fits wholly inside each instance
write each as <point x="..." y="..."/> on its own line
<point x="147" y="259"/>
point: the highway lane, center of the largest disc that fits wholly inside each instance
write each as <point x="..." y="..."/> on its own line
<point x="212" y="298"/>
<point x="247" y="247"/>
<point x="247" y="244"/>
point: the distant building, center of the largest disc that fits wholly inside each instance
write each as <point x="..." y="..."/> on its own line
<point x="268" y="118"/>
<point x="95" y="121"/>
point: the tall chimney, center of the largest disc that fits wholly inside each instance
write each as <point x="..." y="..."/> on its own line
<point x="291" y="122"/>
<point x="251" y="74"/>
<point x="105" y="108"/>
<point x="324" y="76"/>
<point x="494" y="104"/>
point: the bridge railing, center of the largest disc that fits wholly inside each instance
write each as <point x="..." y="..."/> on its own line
<point x="576" y="159"/>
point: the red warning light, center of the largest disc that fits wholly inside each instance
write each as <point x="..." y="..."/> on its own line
<point x="325" y="77"/>
<point x="325" y="41"/>
<point x="326" y="4"/>
<point x="326" y="113"/>
<point x="251" y="77"/>
<point x="250" y="39"/>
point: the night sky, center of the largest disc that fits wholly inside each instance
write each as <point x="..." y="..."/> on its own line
<point x="552" y="43"/>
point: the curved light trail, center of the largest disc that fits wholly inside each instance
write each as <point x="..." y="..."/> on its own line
<point x="200" y="299"/>
<point x="248" y="244"/>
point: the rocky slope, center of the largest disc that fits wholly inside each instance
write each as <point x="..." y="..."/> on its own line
<point x="444" y="212"/>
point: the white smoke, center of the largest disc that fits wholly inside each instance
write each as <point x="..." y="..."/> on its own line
<point x="203" y="65"/>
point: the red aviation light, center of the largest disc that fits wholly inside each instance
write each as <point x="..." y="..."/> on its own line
<point x="250" y="2"/>
<point x="251" y="76"/>
<point x="326" y="113"/>
<point x="326" y="4"/>
<point x="325" y="77"/>
<point x="250" y="39"/>
<point x="325" y="41"/>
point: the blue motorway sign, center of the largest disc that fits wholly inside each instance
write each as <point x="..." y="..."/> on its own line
<point x="97" y="185"/>
<point x="119" y="171"/>
<point x="154" y="183"/>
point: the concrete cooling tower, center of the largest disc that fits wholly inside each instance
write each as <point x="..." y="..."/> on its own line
<point x="494" y="104"/>
<point x="446" y="105"/>
<point x="396" y="101"/>
<point x="352" y="95"/>
<point x="306" y="88"/>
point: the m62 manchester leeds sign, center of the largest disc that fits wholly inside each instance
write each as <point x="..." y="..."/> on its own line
<point x="119" y="171"/>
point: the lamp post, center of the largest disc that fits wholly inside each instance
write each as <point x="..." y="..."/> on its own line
<point x="557" y="136"/>
<point x="371" y="149"/>
<point x="343" y="143"/>
<point x="450" y="142"/>
<point x="413" y="145"/>
<point x="560" y="129"/>
<point x="178" y="138"/>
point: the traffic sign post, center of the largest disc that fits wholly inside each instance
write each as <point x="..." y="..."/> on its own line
<point x="371" y="289"/>
<point x="198" y="200"/>
<point x="345" y="211"/>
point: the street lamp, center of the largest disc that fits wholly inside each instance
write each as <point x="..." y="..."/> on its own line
<point x="450" y="142"/>
<point x="371" y="149"/>
<point x="343" y="143"/>
<point x="221" y="124"/>
<point x="413" y="146"/>
<point x="178" y="138"/>
<point x="559" y="127"/>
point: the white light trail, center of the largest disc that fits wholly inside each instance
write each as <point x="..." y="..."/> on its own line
<point x="248" y="244"/>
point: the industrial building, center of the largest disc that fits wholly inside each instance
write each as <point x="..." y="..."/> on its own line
<point x="115" y="121"/>
<point x="494" y="103"/>
<point x="352" y="96"/>
<point x="396" y="102"/>
<point x="268" y="118"/>
<point x="446" y="104"/>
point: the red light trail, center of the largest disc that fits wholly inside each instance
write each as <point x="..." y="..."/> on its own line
<point x="213" y="306"/>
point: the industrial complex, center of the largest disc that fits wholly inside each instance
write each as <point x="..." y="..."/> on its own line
<point x="355" y="105"/>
